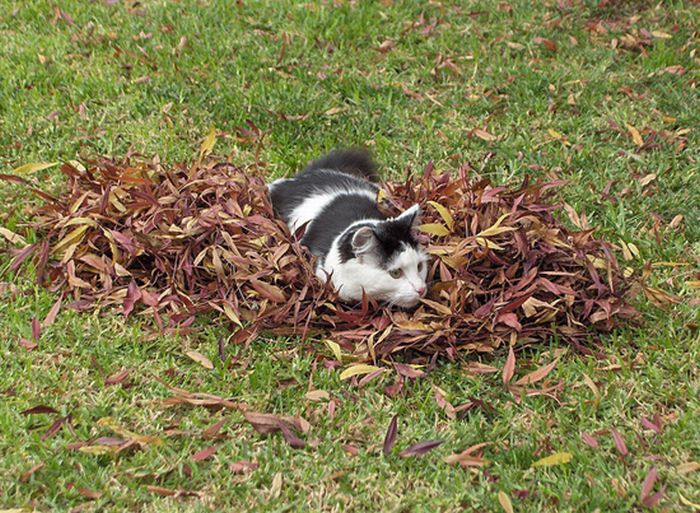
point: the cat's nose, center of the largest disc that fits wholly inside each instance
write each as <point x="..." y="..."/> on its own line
<point x="421" y="290"/>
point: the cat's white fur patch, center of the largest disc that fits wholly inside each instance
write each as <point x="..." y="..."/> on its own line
<point x="312" y="206"/>
<point x="353" y="277"/>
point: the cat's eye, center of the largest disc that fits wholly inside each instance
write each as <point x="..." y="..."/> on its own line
<point x="396" y="273"/>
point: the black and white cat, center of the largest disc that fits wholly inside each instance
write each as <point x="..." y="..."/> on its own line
<point x="358" y="247"/>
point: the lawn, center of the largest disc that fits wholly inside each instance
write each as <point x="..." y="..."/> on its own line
<point x="602" y="93"/>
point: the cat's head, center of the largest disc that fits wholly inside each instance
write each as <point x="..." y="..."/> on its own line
<point x="385" y="260"/>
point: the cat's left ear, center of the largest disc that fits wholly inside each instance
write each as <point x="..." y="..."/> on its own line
<point x="411" y="216"/>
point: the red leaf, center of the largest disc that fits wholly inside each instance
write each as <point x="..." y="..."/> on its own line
<point x="390" y="437"/>
<point x="648" y="484"/>
<point x="589" y="440"/>
<point x="36" y="329"/>
<point x="421" y="448"/>
<point x="28" y="344"/>
<point x="648" y="424"/>
<point x="53" y="429"/>
<point x="133" y="294"/>
<point x="205" y="453"/>
<point x="619" y="442"/>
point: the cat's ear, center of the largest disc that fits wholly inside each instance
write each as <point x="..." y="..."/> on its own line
<point x="364" y="240"/>
<point x="411" y="216"/>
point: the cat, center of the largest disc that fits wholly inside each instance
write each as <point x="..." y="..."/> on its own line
<point x="358" y="247"/>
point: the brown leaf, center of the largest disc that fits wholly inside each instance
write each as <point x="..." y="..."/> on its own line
<point x="200" y="359"/>
<point x="509" y="367"/>
<point x="38" y="410"/>
<point x="386" y="46"/>
<point x="421" y="448"/>
<point x="243" y="467"/>
<point x="53" y="312"/>
<point x="28" y="473"/>
<point x="205" y="453"/>
<point x="118" y="377"/>
<point x="537" y="375"/>
<point x="390" y="437"/>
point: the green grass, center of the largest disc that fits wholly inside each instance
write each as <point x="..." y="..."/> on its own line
<point x="261" y="61"/>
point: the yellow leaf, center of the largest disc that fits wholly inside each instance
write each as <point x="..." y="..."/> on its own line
<point x="504" y="500"/>
<point x="200" y="359"/>
<point x="71" y="238"/>
<point x="232" y="315"/>
<point x="112" y="424"/>
<point x="381" y="195"/>
<point x="626" y="250"/>
<point x="33" y="167"/>
<point x="495" y="229"/>
<point x="434" y="229"/>
<point x="487" y="243"/>
<point x="317" y="395"/>
<point x="646" y="180"/>
<point x="590" y="384"/>
<point x="357" y="370"/>
<point x="688" y="467"/>
<point x="12" y="237"/>
<point x="335" y="347"/>
<point x="81" y="221"/>
<point x="558" y="458"/>
<point x="334" y="110"/>
<point x="554" y="134"/>
<point x="636" y="136"/>
<point x="685" y="501"/>
<point x="660" y="34"/>
<point x="444" y="213"/>
<point x="484" y="135"/>
<point x="208" y="142"/>
<point x="693" y="284"/>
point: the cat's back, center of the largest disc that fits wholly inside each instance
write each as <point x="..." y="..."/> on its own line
<point x="343" y="176"/>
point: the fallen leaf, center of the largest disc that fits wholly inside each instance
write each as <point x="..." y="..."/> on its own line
<point x="243" y="466"/>
<point x="200" y="359"/>
<point x="205" y="453"/>
<point x="505" y="503"/>
<point x="558" y="458"/>
<point x="33" y="167"/>
<point x="509" y="367"/>
<point x="357" y="370"/>
<point x="390" y="437"/>
<point x="420" y="448"/>
<point x="537" y="375"/>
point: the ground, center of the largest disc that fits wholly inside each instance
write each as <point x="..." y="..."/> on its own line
<point x="602" y="93"/>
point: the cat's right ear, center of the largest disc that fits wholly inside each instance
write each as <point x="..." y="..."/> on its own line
<point x="364" y="240"/>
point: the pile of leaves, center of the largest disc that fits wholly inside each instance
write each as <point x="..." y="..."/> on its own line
<point x="175" y="242"/>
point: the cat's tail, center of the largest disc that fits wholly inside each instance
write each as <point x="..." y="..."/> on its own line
<point x="353" y="161"/>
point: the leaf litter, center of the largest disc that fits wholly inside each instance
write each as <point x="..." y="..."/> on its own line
<point x="174" y="242"/>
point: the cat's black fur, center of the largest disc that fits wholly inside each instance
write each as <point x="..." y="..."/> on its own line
<point x="352" y="169"/>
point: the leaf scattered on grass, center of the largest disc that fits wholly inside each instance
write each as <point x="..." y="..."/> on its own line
<point x="390" y="437"/>
<point x="558" y="458"/>
<point x="421" y="448"/>
<point x="505" y="503"/>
